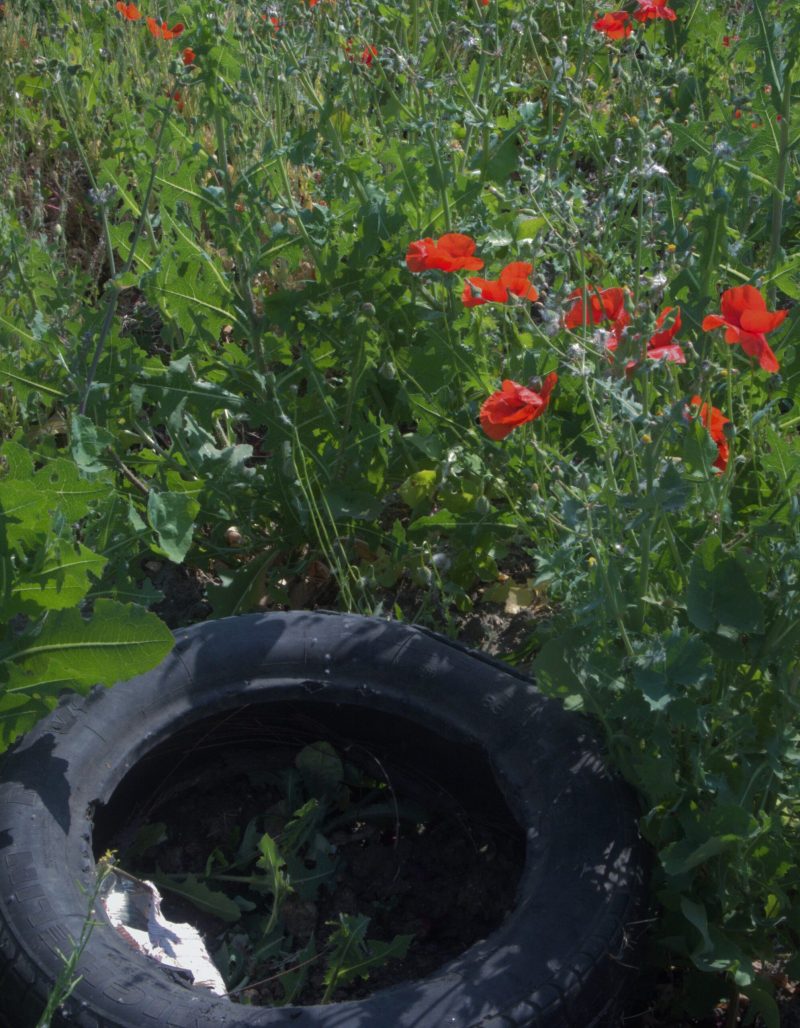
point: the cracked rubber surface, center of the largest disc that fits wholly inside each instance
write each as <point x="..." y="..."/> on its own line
<point x="560" y="958"/>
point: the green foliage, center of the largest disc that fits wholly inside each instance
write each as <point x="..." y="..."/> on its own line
<point x="213" y="352"/>
<point x="250" y="882"/>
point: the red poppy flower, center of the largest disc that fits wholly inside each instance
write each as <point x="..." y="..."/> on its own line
<point x="188" y="56"/>
<point x="715" y="421"/>
<point x="130" y="12"/>
<point x="368" y="53"/>
<point x="746" y="320"/>
<point x="615" y="25"/>
<point x="651" y="9"/>
<point x="514" y="278"/>
<point x="452" y="252"/>
<point x="727" y="40"/>
<point x="660" y="345"/>
<point x="604" y="305"/>
<point x="513" y="405"/>
<point x="161" y="31"/>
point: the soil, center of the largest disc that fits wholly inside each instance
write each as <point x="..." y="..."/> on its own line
<point x="448" y="880"/>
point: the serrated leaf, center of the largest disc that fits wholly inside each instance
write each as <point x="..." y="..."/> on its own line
<point x="293" y="980"/>
<point x="61" y="583"/>
<point x="210" y="901"/>
<point x="352" y="955"/>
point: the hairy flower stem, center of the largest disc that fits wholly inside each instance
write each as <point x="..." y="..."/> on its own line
<point x="646" y="540"/>
<point x="555" y="152"/>
<point x="113" y="289"/>
<point x="780" y="184"/>
<point x="437" y="163"/>
<point x="241" y="268"/>
<point x="611" y="593"/>
<point x="637" y="282"/>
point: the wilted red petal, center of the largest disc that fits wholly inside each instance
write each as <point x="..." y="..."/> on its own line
<point x="671" y="352"/>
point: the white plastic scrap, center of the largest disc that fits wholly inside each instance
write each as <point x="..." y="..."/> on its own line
<point x="134" y="909"/>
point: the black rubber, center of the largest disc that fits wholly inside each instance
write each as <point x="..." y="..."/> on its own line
<point x="559" y="959"/>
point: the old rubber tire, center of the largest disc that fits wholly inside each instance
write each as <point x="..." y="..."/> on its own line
<point x="558" y="959"/>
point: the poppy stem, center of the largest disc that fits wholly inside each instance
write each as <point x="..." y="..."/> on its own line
<point x="778" y="198"/>
<point x="241" y="264"/>
<point x="437" y="163"/>
<point x="637" y="282"/>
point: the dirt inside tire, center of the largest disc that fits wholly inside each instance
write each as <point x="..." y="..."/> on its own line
<point x="440" y="865"/>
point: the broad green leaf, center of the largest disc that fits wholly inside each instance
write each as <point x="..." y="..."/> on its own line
<point x="695" y="914"/>
<point x="88" y="443"/>
<point x="171" y="516"/>
<point x="321" y="769"/>
<point x="18" y="714"/>
<point x="418" y="487"/>
<point x="683" y="856"/>
<point x="119" y="641"/>
<point x="719" y="592"/>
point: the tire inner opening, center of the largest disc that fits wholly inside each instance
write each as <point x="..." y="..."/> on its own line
<point x="419" y="839"/>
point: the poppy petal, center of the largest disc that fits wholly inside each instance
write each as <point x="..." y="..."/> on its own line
<point x="761" y="321"/>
